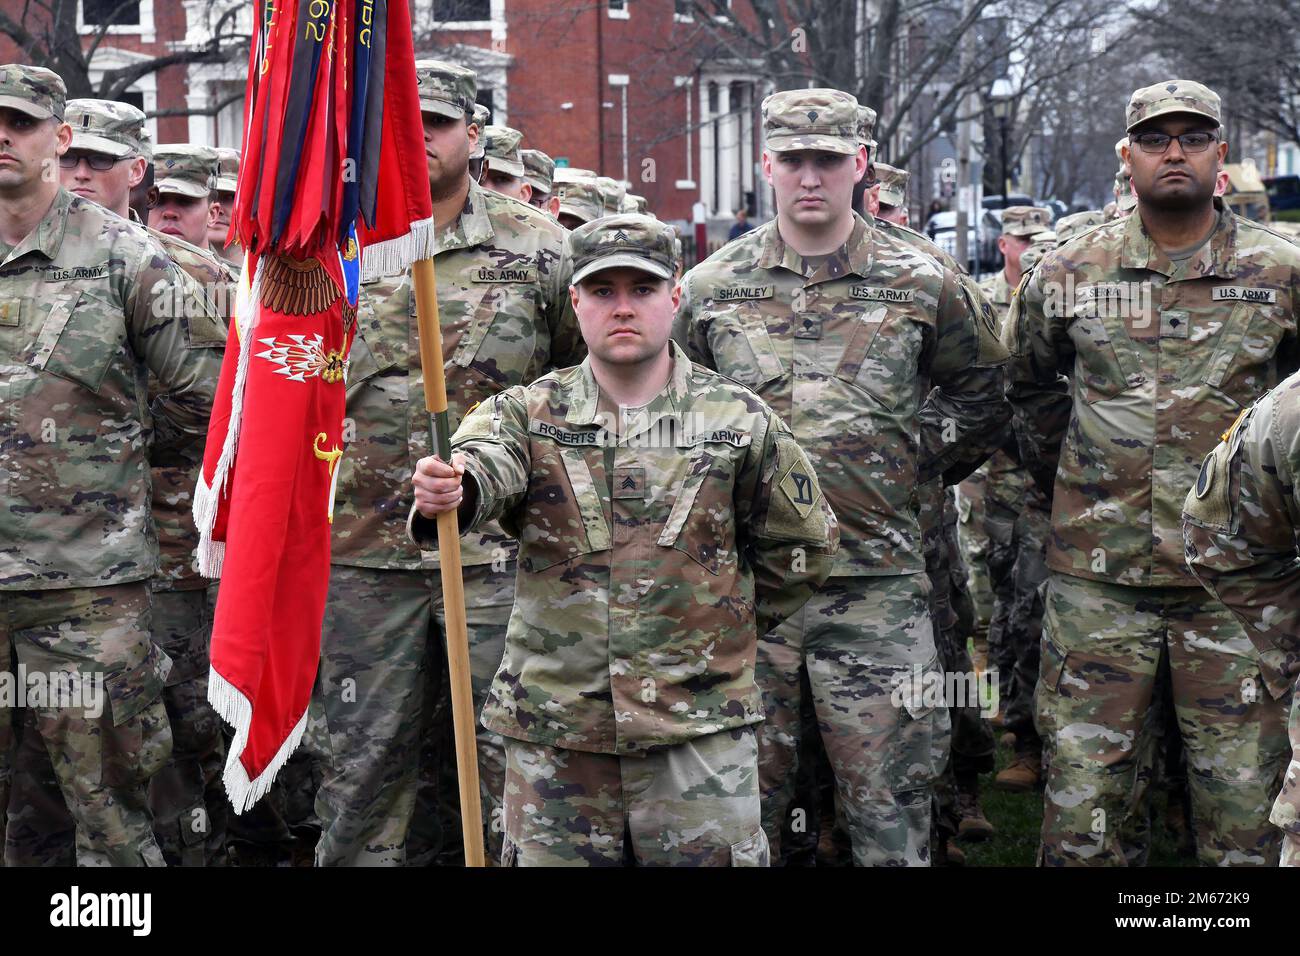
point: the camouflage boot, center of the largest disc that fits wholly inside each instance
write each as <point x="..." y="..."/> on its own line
<point x="1024" y="774"/>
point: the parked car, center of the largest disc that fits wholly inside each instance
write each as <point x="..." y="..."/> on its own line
<point x="981" y="238"/>
<point x="1283" y="192"/>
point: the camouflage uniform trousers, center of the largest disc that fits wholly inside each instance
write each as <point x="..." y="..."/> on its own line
<point x="186" y="798"/>
<point x="858" y="637"/>
<point x="1102" y="649"/>
<point x="1004" y="501"/>
<point x="1024" y="629"/>
<point x="380" y="627"/>
<point x="689" y="804"/>
<point x="1284" y="814"/>
<point x="108" y="742"/>
<point x="953" y="614"/>
<point x="975" y="543"/>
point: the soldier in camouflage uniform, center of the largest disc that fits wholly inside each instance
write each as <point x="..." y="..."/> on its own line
<point x="666" y="516"/>
<point x="579" y="196"/>
<point x="1241" y="522"/>
<point x="89" y="300"/>
<point x="186" y="797"/>
<point x="539" y="172"/>
<point x="477" y="154"/>
<point x="845" y="340"/>
<point x="223" y="194"/>
<point x="503" y="166"/>
<point x="1016" y="516"/>
<point x="1172" y="320"/>
<point x="891" y="193"/>
<point x="1076" y="224"/>
<point x="957" y="805"/>
<point x="502" y="286"/>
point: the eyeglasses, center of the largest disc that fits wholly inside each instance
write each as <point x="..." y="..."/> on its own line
<point x="96" y="161"/>
<point x="1197" y="142"/>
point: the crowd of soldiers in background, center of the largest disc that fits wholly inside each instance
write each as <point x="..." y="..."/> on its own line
<point x="985" y="542"/>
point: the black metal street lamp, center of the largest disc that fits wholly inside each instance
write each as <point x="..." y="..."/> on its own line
<point x="1001" y="97"/>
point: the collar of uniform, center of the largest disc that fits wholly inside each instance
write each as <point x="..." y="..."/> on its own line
<point x="134" y="216"/>
<point x="1217" y="257"/>
<point x="473" y="227"/>
<point x="1000" y="289"/>
<point x="585" y="394"/>
<point x="855" y="255"/>
<point x="47" y="237"/>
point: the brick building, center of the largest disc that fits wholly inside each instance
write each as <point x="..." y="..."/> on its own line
<point x="624" y="87"/>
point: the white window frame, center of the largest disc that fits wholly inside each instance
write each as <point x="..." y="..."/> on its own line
<point x="624" y="14"/>
<point x="496" y="14"/>
<point x="688" y="82"/>
<point x="145" y="28"/>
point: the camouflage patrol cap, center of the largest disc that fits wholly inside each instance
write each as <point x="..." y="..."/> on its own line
<point x="611" y="194"/>
<point x="821" y="119"/>
<point x="184" y="169"/>
<point x="623" y="241"/>
<point x="106" y="126"/>
<point x="539" y="169"/>
<point x="1172" y="96"/>
<point x="1025" y="220"/>
<point x="482" y="116"/>
<point x="866" y="126"/>
<point x="446" y="89"/>
<point x="636" y="204"/>
<point x="227" y="169"/>
<point x="578" y="172"/>
<point x="578" y="194"/>
<point x="501" y="148"/>
<point x="893" y="184"/>
<point x="32" y="90"/>
<point x="1067" y="227"/>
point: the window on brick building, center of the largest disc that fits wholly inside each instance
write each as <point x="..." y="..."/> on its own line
<point x="683" y="9"/>
<point x="618" y="9"/>
<point x="446" y="11"/>
<point x="116" y="13"/>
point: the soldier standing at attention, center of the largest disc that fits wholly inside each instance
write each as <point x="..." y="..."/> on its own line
<point x="504" y="309"/>
<point x="87" y="302"/>
<point x="107" y="157"/>
<point x="1171" y="320"/>
<point x="666" y="517"/>
<point x="845" y="330"/>
<point x="1241" y="522"/>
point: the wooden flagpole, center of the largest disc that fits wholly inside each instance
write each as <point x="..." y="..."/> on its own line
<point x="453" y="591"/>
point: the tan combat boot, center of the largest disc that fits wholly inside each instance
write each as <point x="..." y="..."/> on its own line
<point x="1024" y="774"/>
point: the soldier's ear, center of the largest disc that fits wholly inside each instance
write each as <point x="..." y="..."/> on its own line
<point x="214" y="212"/>
<point x="62" y="138"/>
<point x="677" y="295"/>
<point x="767" y="167"/>
<point x="553" y="206"/>
<point x="135" y="175"/>
<point x="526" y="192"/>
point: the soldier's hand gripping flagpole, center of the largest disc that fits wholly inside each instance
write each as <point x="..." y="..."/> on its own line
<point x="453" y="594"/>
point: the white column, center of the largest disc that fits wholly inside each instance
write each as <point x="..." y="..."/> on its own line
<point x="706" y="147"/>
<point x="728" y="130"/>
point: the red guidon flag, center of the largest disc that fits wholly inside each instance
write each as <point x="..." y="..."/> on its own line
<point x="331" y="112"/>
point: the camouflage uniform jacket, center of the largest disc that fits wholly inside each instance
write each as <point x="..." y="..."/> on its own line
<point x="173" y="487"/>
<point x="1241" y="520"/>
<point x="87" y="306"/>
<point x="1163" y="357"/>
<point x="503" y="306"/>
<point x="649" y="562"/>
<point x="847" y="356"/>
